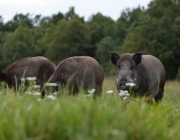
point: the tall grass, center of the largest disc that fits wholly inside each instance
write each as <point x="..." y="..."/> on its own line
<point x="22" y="116"/>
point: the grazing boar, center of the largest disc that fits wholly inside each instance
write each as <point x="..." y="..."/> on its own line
<point x="79" y="71"/>
<point x="39" y="67"/>
<point x="146" y="71"/>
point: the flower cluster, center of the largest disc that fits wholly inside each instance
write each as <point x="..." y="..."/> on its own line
<point x="109" y="91"/>
<point x="91" y="92"/>
<point x="51" y="84"/>
<point x="124" y="93"/>
<point x="34" y="88"/>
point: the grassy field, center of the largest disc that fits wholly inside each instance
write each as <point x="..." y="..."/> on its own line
<point x="80" y="118"/>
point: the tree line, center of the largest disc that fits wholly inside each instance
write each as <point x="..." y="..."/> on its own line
<point x="153" y="30"/>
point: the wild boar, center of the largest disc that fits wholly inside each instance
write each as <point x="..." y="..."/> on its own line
<point x="39" y="67"/>
<point x="79" y="71"/>
<point x="146" y="71"/>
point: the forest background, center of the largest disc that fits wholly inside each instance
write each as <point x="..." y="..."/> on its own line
<point x="154" y="30"/>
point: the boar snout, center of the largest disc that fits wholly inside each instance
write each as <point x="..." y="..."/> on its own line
<point x="122" y="83"/>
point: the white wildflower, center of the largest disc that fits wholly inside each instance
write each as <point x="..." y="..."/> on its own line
<point x="130" y="84"/>
<point x="125" y="98"/>
<point x="51" y="97"/>
<point x="123" y="93"/>
<point x="86" y="95"/>
<point x="54" y="93"/>
<point x="31" y="78"/>
<point x="109" y="91"/>
<point x="51" y="84"/>
<point x="28" y="92"/>
<point x="36" y="86"/>
<point x="37" y="93"/>
<point x="23" y="79"/>
<point x="92" y="90"/>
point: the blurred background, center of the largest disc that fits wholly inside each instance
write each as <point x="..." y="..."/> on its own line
<point x="97" y="28"/>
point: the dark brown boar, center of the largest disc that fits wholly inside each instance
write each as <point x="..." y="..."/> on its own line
<point x="79" y="71"/>
<point x="146" y="71"/>
<point x="39" y="67"/>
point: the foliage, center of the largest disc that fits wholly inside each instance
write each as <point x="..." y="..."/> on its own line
<point x="154" y="30"/>
<point x="18" y="19"/>
<point x="17" y="44"/>
<point x="100" y="27"/>
<point x="157" y="34"/>
<point x="67" y="39"/>
<point x="178" y="75"/>
<point x="104" y="47"/>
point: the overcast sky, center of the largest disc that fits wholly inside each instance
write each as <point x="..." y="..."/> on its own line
<point x="85" y="8"/>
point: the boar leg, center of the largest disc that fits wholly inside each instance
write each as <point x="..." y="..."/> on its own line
<point x="153" y="91"/>
<point x="98" y="91"/>
<point x="159" y="96"/>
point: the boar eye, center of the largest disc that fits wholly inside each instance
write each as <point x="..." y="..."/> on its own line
<point x="132" y="67"/>
<point x="119" y="66"/>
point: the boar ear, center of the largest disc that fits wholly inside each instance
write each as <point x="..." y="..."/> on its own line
<point x="114" y="58"/>
<point x="2" y="76"/>
<point x="137" y="58"/>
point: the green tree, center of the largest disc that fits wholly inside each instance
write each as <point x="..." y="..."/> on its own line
<point x="67" y="39"/>
<point x="71" y="14"/>
<point x="158" y="34"/>
<point x="104" y="47"/>
<point x="128" y="20"/>
<point x="1" y="37"/>
<point x="100" y="27"/>
<point x="17" y="45"/>
<point x="56" y="17"/>
<point x="19" y="19"/>
<point x="1" y="29"/>
<point x="37" y="36"/>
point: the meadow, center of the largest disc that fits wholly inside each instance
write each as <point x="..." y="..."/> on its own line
<point x="24" y="116"/>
